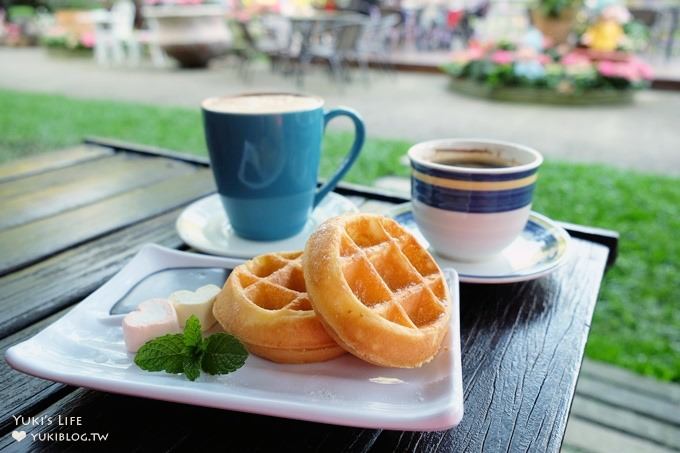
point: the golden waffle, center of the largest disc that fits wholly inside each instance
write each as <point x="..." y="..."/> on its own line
<point x="377" y="290"/>
<point x="265" y="305"/>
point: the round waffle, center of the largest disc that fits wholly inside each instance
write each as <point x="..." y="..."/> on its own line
<point x="377" y="290"/>
<point x="265" y="305"/>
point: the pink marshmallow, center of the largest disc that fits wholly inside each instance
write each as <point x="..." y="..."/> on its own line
<point x="153" y="318"/>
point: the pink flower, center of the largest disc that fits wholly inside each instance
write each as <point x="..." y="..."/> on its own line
<point x="471" y="54"/>
<point x="632" y="69"/>
<point x="502" y="57"/>
<point x="87" y="39"/>
<point x="622" y="70"/>
<point x="544" y="59"/>
<point x="475" y="53"/>
<point x="529" y="54"/>
<point x="575" y="59"/>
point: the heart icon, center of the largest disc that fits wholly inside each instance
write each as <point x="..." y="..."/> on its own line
<point x="19" y="435"/>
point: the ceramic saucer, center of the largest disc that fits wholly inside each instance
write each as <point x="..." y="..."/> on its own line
<point x="539" y="250"/>
<point x="204" y="226"/>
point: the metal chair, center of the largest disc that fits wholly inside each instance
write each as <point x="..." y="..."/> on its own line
<point x="341" y="49"/>
<point x="377" y="42"/>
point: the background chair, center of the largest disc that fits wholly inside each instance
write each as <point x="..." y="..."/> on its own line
<point x="341" y="48"/>
<point x="116" y="39"/>
<point x="378" y="41"/>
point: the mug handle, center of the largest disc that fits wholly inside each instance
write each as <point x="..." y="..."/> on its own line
<point x="359" y="135"/>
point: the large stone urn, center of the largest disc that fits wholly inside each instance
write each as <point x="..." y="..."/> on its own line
<point x="191" y="34"/>
<point x="557" y="28"/>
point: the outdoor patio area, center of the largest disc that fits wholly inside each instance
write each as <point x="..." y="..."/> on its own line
<point x="625" y="131"/>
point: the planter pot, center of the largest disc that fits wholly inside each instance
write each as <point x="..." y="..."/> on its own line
<point x="541" y="95"/>
<point x="557" y="29"/>
<point x="191" y="34"/>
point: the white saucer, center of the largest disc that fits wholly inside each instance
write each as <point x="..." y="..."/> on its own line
<point x="539" y="250"/>
<point x="204" y="226"/>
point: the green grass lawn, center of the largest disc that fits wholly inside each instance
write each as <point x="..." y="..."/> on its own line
<point x="637" y="320"/>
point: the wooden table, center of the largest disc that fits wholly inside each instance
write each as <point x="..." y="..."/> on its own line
<point x="71" y="219"/>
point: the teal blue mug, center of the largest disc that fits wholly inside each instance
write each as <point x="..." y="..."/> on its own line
<point x="264" y="152"/>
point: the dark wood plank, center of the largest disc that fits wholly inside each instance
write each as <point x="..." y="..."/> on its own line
<point x="81" y="185"/>
<point x="22" y="394"/>
<point x="146" y="150"/>
<point x="135" y="424"/>
<point x="51" y="160"/>
<point x="26" y="244"/>
<point x="522" y="346"/>
<point x="28" y="295"/>
<point x="372" y="193"/>
<point x="608" y="238"/>
<point x="54" y="177"/>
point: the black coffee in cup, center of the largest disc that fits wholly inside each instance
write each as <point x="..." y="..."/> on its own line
<point x="470" y="159"/>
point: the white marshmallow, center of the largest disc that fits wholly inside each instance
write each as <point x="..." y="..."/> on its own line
<point x="153" y="318"/>
<point x="199" y="303"/>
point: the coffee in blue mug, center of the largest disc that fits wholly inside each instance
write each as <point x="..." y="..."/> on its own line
<point x="264" y="151"/>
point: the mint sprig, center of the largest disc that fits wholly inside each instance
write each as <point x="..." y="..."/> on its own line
<point x="189" y="353"/>
<point x="164" y="353"/>
<point x="222" y="352"/>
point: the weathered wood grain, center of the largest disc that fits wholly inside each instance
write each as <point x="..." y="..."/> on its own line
<point x="55" y="177"/>
<point x="28" y="295"/>
<point x="51" y="160"/>
<point x="147" y="150"/>
<point x="522" y="346"/>
<point x="26" y="244"/>
<point x="112" y="176"/>
<point x="145" y="425"/>
<point x="23" y="394"/>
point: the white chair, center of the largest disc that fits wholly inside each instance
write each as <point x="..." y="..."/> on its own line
<point x="117" y="41"/>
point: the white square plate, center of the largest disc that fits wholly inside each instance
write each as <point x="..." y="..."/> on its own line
<point x="85" y="348"/>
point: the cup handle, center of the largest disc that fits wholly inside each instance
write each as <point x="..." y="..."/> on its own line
<point x="359" y="135"/>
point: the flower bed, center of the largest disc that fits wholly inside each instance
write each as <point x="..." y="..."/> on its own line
<point x="72" y="34"/>
<point x="572" y="76"/>
<point x="69" y="45"/>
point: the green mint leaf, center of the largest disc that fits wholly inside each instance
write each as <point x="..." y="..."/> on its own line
<point x="192" y="367"/>
<point x="192" y="333"/>
<point x="166" y="353"/>
<point x="223" y="354"/>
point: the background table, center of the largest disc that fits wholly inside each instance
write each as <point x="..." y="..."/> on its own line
<point x="72" y="218"/>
